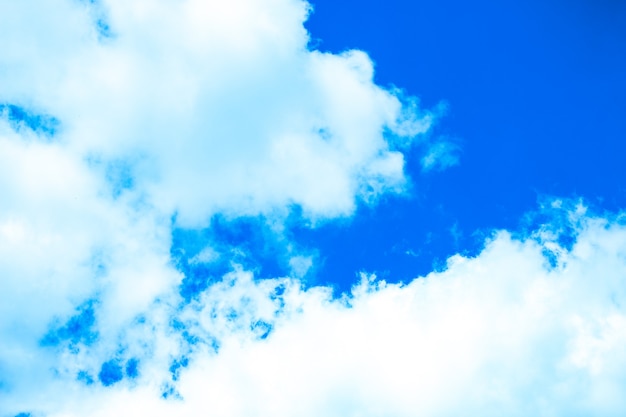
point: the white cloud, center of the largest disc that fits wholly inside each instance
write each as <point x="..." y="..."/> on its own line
<point x="503" y="333"/>
<point x="440" y="155"/>
<point x="220" y="107"/>
<point x="300" y="265"/>
<point x="177" y="110"/>
<point x="185" y="109"/>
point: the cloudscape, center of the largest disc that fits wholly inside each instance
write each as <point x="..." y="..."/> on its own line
<point x="209" y="209"/>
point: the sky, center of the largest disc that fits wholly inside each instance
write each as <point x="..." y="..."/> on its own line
<point x="274" y="207"/>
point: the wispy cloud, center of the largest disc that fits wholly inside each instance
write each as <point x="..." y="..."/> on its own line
<point x="441" y="155"/>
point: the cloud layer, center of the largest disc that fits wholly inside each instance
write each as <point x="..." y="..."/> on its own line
<point x="206" y="107"/>
<point x="528" y="326"/>
<point x="122" y="123"/>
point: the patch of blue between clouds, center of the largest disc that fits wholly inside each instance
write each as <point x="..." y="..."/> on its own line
<point x="85" y="377"/>
<point x="176" y="366"/>
<point x="111" y="372"/>
<point x="261" y="329"/>
<point x="79" y="329"/>
<point x="78" y="333"/>
<point x="277" y="296"/>
<point x="132" y="368"/>
<point x="555" y="221"/>
<point x="244" y="241"/>
<point x="168" y="392"/>
<point x="114" y="370"/>
<point x="189" y="338"/>
<point x="21" y="118"/>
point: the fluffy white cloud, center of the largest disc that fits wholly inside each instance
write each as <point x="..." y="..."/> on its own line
<point x="212" y="107"/>
<point x="122" y="120"/>
<point x="527" y="327"/>
<point x="117" y="117"/>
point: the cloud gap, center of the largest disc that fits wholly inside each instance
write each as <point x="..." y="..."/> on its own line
<point x="80" y="329"/>
<point x="23" y="119"/>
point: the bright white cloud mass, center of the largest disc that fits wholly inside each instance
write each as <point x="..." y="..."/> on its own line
<point x="123" y="121"/>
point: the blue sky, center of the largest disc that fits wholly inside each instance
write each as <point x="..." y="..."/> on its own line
<point x="271" y="207"/>
<point x="535" y="94"/>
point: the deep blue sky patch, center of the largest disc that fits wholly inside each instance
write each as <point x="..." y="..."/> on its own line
<point x="132" y="368"/>
<point x="111" y="372"/>
<point x="77" y="329"/>
<point x="205" y="255"/>
<point x="21" y="118"/>
<point x="536" y="93"/>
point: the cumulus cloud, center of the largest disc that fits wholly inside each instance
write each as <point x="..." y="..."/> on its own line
<point x="126" y="125"/>
<point x="211" y="107"/>
<point x="527" y="327"/>
<point x="122" y="122"/>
